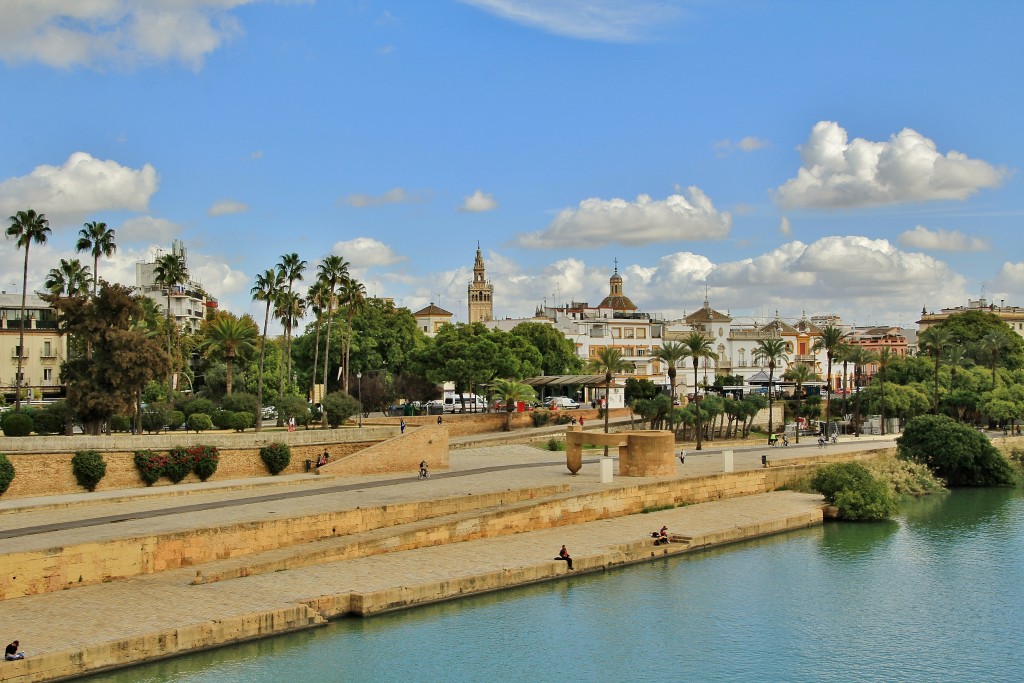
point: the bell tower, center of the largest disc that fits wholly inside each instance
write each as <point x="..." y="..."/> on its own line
<point x="481" y="292"/>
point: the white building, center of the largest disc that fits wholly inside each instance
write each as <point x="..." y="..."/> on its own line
<point x="189" y="301"/>
<point x="43" y="352"/>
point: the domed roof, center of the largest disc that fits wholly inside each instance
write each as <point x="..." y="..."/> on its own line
<point x="616" y="300"/>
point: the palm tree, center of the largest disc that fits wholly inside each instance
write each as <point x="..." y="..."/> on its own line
<point x="332" y="272"/>
<point x="316" y="297"/>
<point x="697" y="346"/>
<point x="860" y="357"/>
<point x="772" y="351"/>
<point x="933" y="342"/>
<point x="608" y="361"/>
<point x="509" y="392"/>
<point x="830" y="340"/>
<point x="26" y="227"/>
<point x="70" y="279"/>
<point x="671" y="353"/>
<point x="267" y="288"/>
<point x="992" y="345"/>
<point x="800" y="374"/>
<point x="353" y="295"/>
<point x="98" y="240"/>
<point x="230" y="338"/>
<point x="883" y="357"/>
<point x="170" y="271"/>
<point x="288" y="308"/>
<point x="293" y="267"/>
<point x="956" y="358"/>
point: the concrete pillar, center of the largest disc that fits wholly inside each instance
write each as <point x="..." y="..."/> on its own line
<point x="727" y="461"/>
<point x="648" y="454"/>
<point x="606" y="470"/>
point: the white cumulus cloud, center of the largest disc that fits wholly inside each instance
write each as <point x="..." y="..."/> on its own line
<point x="366" y="252"/>
<point x="124" y="33"/>
<point x="785" y="227"/>
<point x="601" y="20"/>
<point x="596" y="222"/>
<point x="227" y="206"/>
<point x="749" y="143"/>
<point x="478" y="202"/>
<point x="838" y="172"/>
<point x="941" y="240"/>
<point x="82" y="185"/>
<point x="149" y="230"/>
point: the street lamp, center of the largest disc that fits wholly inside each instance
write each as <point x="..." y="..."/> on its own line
<point x="359" y="381"/>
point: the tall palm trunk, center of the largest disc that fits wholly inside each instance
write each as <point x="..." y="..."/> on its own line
<point x="327" y="355"/>
<point x="696" y="403"/>
<point x="259" y="385"/>
<point x="316" y="358"/>
<point x="21" y="333"/>
<point x="170" y="353"/>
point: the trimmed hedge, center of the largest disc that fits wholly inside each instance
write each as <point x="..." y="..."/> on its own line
<point x="204" y="461"/>
<point x="197" y="422"/>
<point x="6" y="473"/>
<point x="179" y="464"/>
<point x="276" y="456"/>
<point x="150" y="466"/>
<point x="17" y="424"/>
<point x="89" y="468"/>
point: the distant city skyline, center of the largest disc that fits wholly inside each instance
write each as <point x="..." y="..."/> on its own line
<point x="858" y="159"/>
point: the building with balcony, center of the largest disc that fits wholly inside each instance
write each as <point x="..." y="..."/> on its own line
<point x="1011" y="315"/>
<point x="189" y="301"/>
<point x="43" y="352"/>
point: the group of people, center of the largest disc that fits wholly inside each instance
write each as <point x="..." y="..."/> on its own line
<point x="13" y="652"/>
<point x="773" y="439"/>
<point x="660" y="537"/>
<point x="322" y="459"/>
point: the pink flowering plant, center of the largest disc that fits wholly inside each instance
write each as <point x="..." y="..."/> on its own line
<point x="179" y="464"/>
<point x="204" y="461"/>
<point x="150" y="466"/>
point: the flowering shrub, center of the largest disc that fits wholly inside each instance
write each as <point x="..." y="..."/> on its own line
<point x="204" y="461"/>
<point x="6" y="473"/>
<point x="89" y="468"/>
<point x="150" y="465"/>
<point x="276" y="457"/>
<point x="179" y="464"/>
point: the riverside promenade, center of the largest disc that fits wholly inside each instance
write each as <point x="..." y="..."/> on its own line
<point x="493" y="520"/>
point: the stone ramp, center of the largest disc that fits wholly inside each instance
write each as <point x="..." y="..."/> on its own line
<point x="147" y="617"/>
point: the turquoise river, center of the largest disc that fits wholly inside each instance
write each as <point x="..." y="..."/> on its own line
<point x="936" y="595"/>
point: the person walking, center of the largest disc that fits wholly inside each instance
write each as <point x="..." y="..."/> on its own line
<point x="401" y="426"/>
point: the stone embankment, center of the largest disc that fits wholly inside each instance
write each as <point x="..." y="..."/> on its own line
<point x="220" y="564"/>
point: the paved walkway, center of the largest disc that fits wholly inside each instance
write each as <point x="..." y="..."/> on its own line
<point x="74" y="618"/>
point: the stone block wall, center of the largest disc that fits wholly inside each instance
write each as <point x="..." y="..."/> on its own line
<point x="400" y="454"/>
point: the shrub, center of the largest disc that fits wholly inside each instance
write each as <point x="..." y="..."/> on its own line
<point x="197" y="422"/>
<point x="555" y="445"/>
<point x="222" y="419"/>
<point x="855" y="491"/>
<point x="17" y="424"/>
<point x="154" y="418"/>
<point x="954" y="452"/>
<point x="150" y="466"/>
<point x="239" y="402"/>
<point x="120" y="423"/>
<point x="89" y="468"/>
<point x="50" y="420"/>
<point x="276" y="457"/>
<point x="903" y="477"/>
<point x="294" y="406"/>
<point x="198" y="405"/>
<point x="179" y="464"/>
<point x="563" y="419"/>
<point x="6" y="473"/>
<point x="339" y="407"/>
<point x="204" y="461"/>
<point x="240" y="421"/>
<point x="175" y="419"/>
<point x="540" y="417"/>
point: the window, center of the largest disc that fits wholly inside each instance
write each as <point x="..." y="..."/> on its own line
<point x="627" y="333"/>
<point x="48" y="376"/>
<point x="616" y="333"/>
<point x="47" y="351"/>
<point x="641" y="333"/>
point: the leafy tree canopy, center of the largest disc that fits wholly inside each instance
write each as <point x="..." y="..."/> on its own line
<point x="969" y="328"/>
<point x="558" y="354"/>
<point x="953" y="451"/>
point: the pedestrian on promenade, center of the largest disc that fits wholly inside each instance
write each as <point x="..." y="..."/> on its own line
<point x="563" y="555"/>
<point x="12" y="652"/>
<point x="291" y="424"/>
<point x="581" y="422"/>
<point x="439" y="420"/>
<point x="682" y="457"/>
<point x="401" y="426"/>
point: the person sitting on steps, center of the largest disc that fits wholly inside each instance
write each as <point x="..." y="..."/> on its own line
<point x="563" y="555"/>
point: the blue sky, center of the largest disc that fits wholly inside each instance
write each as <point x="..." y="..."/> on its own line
<point x="856" y="158"/>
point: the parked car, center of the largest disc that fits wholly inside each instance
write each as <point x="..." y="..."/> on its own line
<point x="561" y="403"/>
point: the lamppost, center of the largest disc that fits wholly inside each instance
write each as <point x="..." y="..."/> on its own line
<point x="359" y="381"/>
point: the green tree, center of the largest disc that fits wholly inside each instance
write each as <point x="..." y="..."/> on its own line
<point x="934" y="341"/>
<point x="292" y="267"/>
<point x="967" y="329"/>
<point x="860" y="357"/>
<point x="992" y="346"/>
<point x="608" y="361"/>
<point x="857" y="493"/>
<point x="267" y="288"/>
<point x="70" y="279"/>
<point x="953" y="451"/>
<point x="800" y="374"/>
<point x="170" y="272"/>
<point x="332" y="272"/>
<point x="558" y="354"/>
<point x="672" y="353"/>
<point x="884" y="357"/>
<point x="509" y="392"/>
<point x="830" y="341"/>
<point x="353" y="296"/>
<point x="696" y="347"/>
<point x="316" y="299"/>
<point x="98" y="240"/>
<point x="229" y="338"/>
<point x="338" y="407"/>
<point x="772" y="351"/>
<point x="26" y="227"/>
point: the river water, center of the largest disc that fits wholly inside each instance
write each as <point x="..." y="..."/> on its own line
<point x="936" y="595"/>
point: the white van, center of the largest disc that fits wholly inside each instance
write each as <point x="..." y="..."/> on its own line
<point x="561" y="403"/>
<point x="473" y="404"/>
